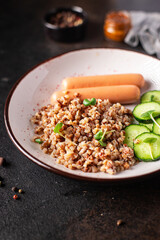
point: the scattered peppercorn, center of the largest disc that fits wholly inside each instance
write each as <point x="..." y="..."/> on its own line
<point x="120" y="222"/>
<point x="20" y="191"/>
<point x="14" y="189"/>
<point x="1" y="182"/>
<point x="1" y="161"/>
<point x="15" y="196"/>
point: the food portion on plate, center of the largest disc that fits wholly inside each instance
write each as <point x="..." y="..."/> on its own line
<point x="124" y="94"/>
<point x="144" y="138"/>
<point x="86" y="128"/>
<point x="122" y="88"/>
<point x="85" y="135"/>
<point x="103" y="80"/>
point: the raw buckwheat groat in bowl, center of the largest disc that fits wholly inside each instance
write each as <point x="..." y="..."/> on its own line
<point x="90" y="137"/>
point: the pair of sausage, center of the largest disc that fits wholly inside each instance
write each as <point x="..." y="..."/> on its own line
<point x="123" y="88"/>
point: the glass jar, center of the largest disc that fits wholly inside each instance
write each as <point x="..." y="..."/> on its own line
<point x="116" y="25"/>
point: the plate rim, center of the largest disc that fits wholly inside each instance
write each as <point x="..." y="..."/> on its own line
<point x="39" y="162"/>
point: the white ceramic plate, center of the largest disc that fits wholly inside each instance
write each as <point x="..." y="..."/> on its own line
<point x="34" y="90"/>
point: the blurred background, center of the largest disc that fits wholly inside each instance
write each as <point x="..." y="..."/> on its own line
<point x="23" y="37"/>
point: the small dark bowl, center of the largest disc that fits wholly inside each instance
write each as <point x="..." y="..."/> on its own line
<point x="66" y="34"/>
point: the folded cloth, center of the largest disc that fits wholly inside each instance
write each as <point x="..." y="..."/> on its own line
<point x="146" y="30"/>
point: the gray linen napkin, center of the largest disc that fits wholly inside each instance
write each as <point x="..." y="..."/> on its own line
<point x="146" y="30"/>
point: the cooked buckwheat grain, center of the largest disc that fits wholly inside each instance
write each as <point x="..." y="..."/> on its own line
<point x="79" y="149"/>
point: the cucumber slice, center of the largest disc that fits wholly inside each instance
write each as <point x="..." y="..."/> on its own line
<point x="151" y="96"/>
<point x="132" y="131"/>
<point x="145" y="107"/>
<point x="146" y="151"/>
<point x="148" y="125"/>
<point x="156" y="129"/>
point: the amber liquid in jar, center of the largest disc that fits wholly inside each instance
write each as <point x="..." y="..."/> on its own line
<point x="117" y="25"/>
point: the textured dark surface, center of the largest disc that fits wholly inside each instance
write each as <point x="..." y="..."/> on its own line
<point x="54" y="207"/>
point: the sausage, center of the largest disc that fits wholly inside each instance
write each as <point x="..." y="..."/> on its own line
<point x="124" y="94"/>
<point x="103" y="80"/>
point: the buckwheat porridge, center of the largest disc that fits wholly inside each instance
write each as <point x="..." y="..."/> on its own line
<point x="89" y="138"/>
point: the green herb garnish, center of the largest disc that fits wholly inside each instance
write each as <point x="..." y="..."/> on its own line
<point x="86" y="102"/>
<point x="103" y="144"/>
<point x="150" y="114"/>
<point x="152" y="98"/>
<point x="150" y="141"/>
<point x="38" y="140"/>
<point x="147" y="114"/>
<point x="57" y="128"/>
<point x="100" y="136"/>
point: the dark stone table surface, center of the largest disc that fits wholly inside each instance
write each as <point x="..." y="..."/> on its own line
<point x="54" y="207"/>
